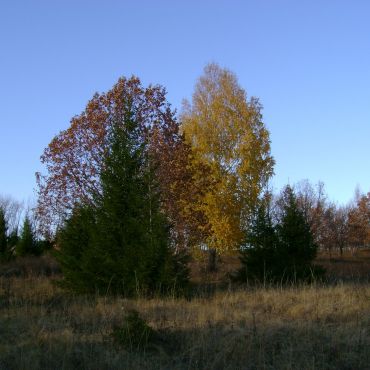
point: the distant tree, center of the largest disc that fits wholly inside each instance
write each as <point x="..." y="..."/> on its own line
<point x="3" y="235"/>
<point x="259" y="258"/>
<point x="124" y="246"/>
<point x="228" y="137"/>
<point x="282" y="252"/>
<point x="312" y="201"/>
<point x="359" y="222"/>
<point x="12" y="210"/>
<point x="297" y="248"/>
<point x="328" y="222"/>
<point x="341" y="228"/>
<point x="13" y="239"/>
<point x="329" y="236"/>
<point x="27" y="241"/>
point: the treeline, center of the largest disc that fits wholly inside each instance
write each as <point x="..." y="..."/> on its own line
<point x="18" y="231"/>
<point x="288" y="229"/>
<point x="335" y="228"/>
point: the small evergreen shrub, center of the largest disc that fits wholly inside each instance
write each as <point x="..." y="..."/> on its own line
<point x="134" y="334"/>
<point x="27" y="242"/>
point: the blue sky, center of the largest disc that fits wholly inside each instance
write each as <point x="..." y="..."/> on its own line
<point x="307" y="61"/>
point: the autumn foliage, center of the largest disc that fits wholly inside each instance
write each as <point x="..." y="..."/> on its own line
<point x="74" y="158"/>
<point x="212" y="169"/>
<point x="211" y="166"/>
<point x="227" y="135"/>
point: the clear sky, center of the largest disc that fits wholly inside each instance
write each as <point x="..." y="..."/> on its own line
<point x="307" y="61"/>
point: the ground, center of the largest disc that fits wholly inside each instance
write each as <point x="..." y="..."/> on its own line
<point x="320" y="326"/>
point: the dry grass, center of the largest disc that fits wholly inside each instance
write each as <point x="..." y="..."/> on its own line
<point x="310" y="327"/>
<point x="352" y="266"/>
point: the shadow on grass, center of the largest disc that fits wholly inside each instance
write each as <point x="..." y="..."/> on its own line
<point x="236" y="346"/>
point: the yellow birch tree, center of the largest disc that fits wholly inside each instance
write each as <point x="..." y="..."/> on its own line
<point x="226" y="133"/>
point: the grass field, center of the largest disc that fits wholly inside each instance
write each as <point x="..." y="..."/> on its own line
<point x="308" y="327"/>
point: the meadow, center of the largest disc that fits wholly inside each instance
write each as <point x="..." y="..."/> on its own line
<point x="222" y="326"/>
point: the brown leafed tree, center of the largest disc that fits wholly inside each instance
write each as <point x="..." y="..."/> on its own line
<point x="74" y="158"/>
<point x="182" y="182"/>
<point x="359" y="223"/>
<point x="312" y="200"/>
<point x="334" y="236"/>
<point x="328" y="222"/>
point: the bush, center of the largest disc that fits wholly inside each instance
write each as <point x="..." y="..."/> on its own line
<point x="134" y="334"/>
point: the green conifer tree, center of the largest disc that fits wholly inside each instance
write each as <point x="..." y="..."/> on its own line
<point x="259" y="254"/>
<point x="125" y="246"/>
<point x="27" y="241"/>
<point x="297" y="249"/>
<point x="280" y="253"/>
<point x="3" y="236"/>
<point x="13" y="239"/>
<point x="72" y="242"/>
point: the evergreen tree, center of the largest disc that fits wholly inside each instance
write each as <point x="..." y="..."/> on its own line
<point x="27" y="242"/>
<point x="279" y="253"/>
<point x="124" y="248"/>
<point x="72" y="242"/>
<point x="13" y="239"/>
<point x="259" y="254"/>
<point x="297" y="249"/>
<point x="3" y="236"/>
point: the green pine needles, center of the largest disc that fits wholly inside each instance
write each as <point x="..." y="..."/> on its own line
<point x="121" y="244"/>
<point x="26" y="244"/>
<point x="280" y="252"/>
<point x="3" y="237"/>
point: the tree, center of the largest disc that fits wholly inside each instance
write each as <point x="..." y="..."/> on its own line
<point x="297" y="248"/>
<point x="13" y="239"/>
<point x="259" y="258"/>
<point x="280" y="251"/>
<point x="72" y="242"/>
<point x="27" y="242"/>
<point x="182" y="183"/>
<point x="228" y="137"/>
<point x="12" y="212"/>
<point x="3" y="235"/>
<point x="359" y="222"/>
<point x="341" y="228"/>
<point x="74" y="158"/>
<point x="124" y="238"/>
<point x="312" y="201"/>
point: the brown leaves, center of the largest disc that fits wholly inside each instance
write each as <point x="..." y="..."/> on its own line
<point x="73" y="159"/>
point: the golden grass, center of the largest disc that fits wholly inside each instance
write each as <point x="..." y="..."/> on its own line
<point x="308" y="327"/>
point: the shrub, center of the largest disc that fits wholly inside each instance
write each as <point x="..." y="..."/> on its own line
<point x="134" y="334"/>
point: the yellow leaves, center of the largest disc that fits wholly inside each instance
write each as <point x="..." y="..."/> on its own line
<point x="226" y="134"/>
